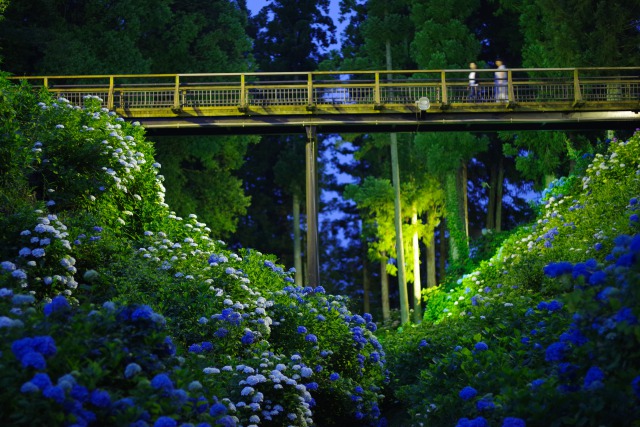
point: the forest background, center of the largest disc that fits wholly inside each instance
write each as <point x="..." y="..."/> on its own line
<point x="461" y="192"/>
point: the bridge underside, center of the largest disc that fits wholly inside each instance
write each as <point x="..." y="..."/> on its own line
<point x="381" y="122"/>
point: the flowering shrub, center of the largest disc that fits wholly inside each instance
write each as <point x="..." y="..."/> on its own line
<point x="115" y="311"/>
<point x="546" y="331"/>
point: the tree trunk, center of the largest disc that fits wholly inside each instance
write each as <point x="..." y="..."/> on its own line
<point x="491" y="205"/>
<point x="384" y="288"/>
<point x="463" y="186"/>
<point x="456" y="218"/>
<point x="431" y="260"/>
<point x="417" y="285"/>
<point x="395" y="173"/>
<point x="366" y="284"/>
<point x="499" y="191"/>
<point x="444" y="251"/>
<point x="297" y="247"/>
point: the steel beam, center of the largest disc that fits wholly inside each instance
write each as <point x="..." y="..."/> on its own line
<point x="313" y="257"/>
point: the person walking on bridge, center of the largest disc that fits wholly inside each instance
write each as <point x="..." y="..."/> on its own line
<point x="500" y="77"/>
<point x="473" y="83"/>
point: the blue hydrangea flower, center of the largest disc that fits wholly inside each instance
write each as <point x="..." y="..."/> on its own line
<point x="217" y="409"/>
<point x="302" y="330"/>
<point x="195" y="348"/>
<point x="131" y="370"/>
<point x="34" y="360"/>
<point x="625" y="314"/>
<point x="29" y="387"/>
<point x="557" y="269"/>
<point x="635" y="385"/>
<point x="513" y="422"/>
<point x="55" y="393"/>
<point x="468" y="393"/>
<point x="100" y="398"/>
<point x="311" y="338"/>
<point x="79" y="393"/>
<point x="555" y="352"/>
<point x="481" y="346"/>
<point x="57" y="304"/>
<point x="593" y="378"/>
<point x="221" y="333"/>
<point x="536" y="383"/>
<point x="554" y="306"/>
<point x="162" y="382"/>
<point x="598" y="278"/>
<point x="165" y="422"/>
<point x="474" y="422"/>
<point x="247" y="338"/>
<point x="335" y="376"/>
<point x="41" y="380"/>
<point x="142" y="312"/>
<point x="485" y="405"/>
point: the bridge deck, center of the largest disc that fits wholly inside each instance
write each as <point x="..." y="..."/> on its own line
<point x="355" y="100"/>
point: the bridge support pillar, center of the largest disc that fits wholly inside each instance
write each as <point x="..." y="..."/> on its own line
<point x="313" y="257"/>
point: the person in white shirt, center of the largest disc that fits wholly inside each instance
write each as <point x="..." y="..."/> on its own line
<point x="473" y="83"/>
<point x="501" y="82"/>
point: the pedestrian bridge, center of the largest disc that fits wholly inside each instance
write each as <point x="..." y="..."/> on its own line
<point x="363" y="101"/>
<point x="360" y="101"/>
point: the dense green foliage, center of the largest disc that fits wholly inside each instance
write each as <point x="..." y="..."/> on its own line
<point x="549" y="323"/>
<point x="116" y="311"/>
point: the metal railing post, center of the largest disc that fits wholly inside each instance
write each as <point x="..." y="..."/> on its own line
<point x="443" y="83"/>
<point x="577" y="93"/>
<point x="176" y="94"/>
<point x="376" y="89"/>
<point x="110" y="94"/>
<point x="243" y="93"/>
<point x="510" y="89"/>
<point x="310" y="90"/>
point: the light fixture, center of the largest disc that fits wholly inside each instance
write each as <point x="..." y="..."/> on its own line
<point x="423" y="103"/>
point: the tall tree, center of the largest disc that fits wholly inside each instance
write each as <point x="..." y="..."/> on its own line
<point x="445" y="39"/>
<point x="582" y="33"/>
<point x="205" y="36"/>
<point x="88" y="37"/>
<point x="123" y="37"/>
<point x="446" y="156"/>
<point x="288" y="36"/>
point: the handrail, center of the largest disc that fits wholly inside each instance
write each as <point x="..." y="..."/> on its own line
<point x="349" y="89"/>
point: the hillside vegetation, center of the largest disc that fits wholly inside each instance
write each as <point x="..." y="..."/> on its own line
<point x="115" y="311"/>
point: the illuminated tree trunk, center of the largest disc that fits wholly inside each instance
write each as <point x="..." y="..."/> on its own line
<point x="442" y="264"/>
<point x="417" y="285"/>
<point x="499" y="191"/>
<point x="395" y="172"/>
<point x="490" y="222"/>
<point x="463" y="184"/>
<point x="456" y="215"/>
<point x="366" y="284"/>
<point x="431" y="261"/>
<point x="297" y="249"/>
<point x="384" y="288"/>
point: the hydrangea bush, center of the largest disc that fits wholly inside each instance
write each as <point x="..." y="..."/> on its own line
<point x="546" y="331"/>
<point x="115" y="311"/>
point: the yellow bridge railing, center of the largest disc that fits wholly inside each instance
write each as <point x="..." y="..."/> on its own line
<point x="352" y="92"/>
